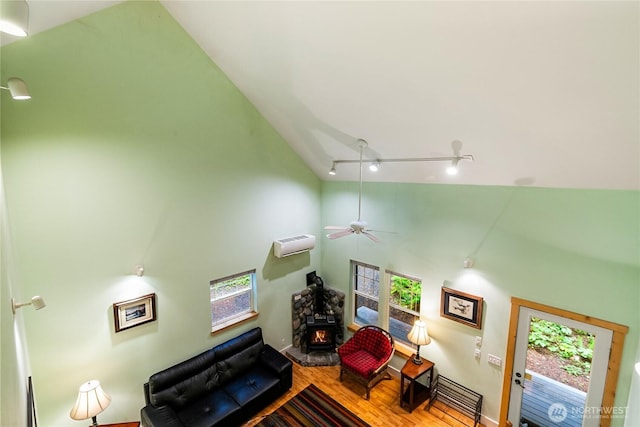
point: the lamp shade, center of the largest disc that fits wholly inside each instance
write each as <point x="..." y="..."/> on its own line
<point x="418" y="334"/>
<point x="92" y="400"/>
<point x="14" y="17"/>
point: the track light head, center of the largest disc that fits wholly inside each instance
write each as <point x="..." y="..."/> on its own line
<point x="374" y="166"/>
<point x="453" y="168"/>
<point x="332" y="171"/>
<point x="37" y="302"/>
<point x="18" y="89"/>
<point x="14" y="17"/>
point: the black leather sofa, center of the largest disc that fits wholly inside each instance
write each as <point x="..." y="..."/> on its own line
<point x="225" y="385"/>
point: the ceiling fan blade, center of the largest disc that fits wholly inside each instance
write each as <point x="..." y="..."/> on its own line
<point x="339" y="234"/>
<point x="336" y="227"/>
<point x="371" y="236"/>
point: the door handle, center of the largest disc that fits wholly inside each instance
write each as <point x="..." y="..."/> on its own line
<point x="519" y="383"/>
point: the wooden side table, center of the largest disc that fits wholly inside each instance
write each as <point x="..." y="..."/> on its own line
<point x="129" y="424"/>
<point x="415" y="393"/>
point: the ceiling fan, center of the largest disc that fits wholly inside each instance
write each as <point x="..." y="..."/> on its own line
<point x="358" y="226"/>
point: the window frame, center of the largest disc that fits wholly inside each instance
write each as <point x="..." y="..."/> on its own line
<point x="241" y="316"/>
<point x="357" y="293"/>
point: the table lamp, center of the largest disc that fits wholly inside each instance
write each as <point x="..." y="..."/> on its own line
<point x="419" y="336"/>
<point x="92" y="400"/>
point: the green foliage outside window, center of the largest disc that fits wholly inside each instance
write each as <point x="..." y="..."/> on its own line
<point x="406" y="293"/>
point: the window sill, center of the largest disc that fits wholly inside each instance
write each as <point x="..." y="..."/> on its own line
<point x="233" y="322"/>
<point x="402" y="349"/>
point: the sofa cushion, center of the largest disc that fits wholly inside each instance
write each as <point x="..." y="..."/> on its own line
<point x="236" y="364"/>
<point x="184" y="382"/>
<point x="210" y="409"/>
<point x="185" y="391"/>
<point x="251" y="385"/>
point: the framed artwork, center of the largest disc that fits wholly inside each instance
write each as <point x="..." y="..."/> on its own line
<point x="461" y="307"/>
<point x="134" y="312"/>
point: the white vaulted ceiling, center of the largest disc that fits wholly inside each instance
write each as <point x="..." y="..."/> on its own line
<point x="540" y="93"/>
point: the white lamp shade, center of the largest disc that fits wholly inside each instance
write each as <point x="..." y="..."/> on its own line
<point x="92" y="400"/>
<point x="14" y="17"/>
<point x="419" y="334"/>
<point x="18" y="88"/>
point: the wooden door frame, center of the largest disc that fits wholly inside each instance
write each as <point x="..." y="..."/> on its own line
<point x="617" y="344"/>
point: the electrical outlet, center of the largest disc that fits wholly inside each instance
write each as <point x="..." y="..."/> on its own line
<point x="494" y="360"/>
<point x="477" y="353"/>
<point x="478" y="341"/>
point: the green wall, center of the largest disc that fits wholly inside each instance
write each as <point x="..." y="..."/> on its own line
<point x="135" y="149"/>
<point x="574" y="249"/>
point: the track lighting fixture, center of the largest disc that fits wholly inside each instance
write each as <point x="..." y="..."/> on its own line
<point x="18" y="89"/>
<point x="37" y="302"/>
<point x="451" y="170"/>
<point x="14" y="17"/>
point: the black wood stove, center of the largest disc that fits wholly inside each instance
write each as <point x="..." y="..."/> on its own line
<point x="321" y="327"/>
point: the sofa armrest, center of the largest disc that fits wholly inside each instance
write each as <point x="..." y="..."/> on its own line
<point x="161" y="416"/>
<point x="279" y="363"/>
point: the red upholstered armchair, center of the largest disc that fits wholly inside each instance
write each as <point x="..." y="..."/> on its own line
<point x="366" y="355"/>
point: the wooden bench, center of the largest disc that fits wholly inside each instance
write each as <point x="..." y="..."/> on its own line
<point x="456" y="396"/>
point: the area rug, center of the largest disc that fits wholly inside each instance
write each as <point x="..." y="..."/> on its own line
<point x="312" y="408"/>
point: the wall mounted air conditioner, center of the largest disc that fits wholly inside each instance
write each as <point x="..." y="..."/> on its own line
<point x="293" y="245"/>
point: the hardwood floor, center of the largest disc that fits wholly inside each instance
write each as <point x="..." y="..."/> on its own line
<point x="382" y="410"/>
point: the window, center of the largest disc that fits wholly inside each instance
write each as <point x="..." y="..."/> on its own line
<point x="404" y="304"/>
<point x="366" y="290"/>
<point x="232" y="300"/>
<point x="399" y="307"/>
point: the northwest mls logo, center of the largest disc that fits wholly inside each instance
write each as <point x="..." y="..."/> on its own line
<point x="557" y="412"/>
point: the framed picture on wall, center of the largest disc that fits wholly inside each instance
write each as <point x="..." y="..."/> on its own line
<point x="134" y="312"/>
<point x="461" y="307"/>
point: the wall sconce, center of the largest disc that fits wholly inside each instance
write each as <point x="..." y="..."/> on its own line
<point x="14" y="17"/>
<point x="37" y="302"/>
<point x="92" y="400"/>
<point x="419" y="336"/>
<point x="18" y="89"/>
<point x="468" y="262"/>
